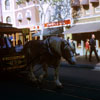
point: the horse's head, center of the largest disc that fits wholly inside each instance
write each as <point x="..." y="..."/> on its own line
<point x="67" y="52"/>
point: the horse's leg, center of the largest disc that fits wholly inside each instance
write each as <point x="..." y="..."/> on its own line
<point x="33" y="78"/>
<point x="45" y="72"/>
<point x="56" y="77"/>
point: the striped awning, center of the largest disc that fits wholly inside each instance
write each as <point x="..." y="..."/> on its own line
<point x="84" y="2"/>
<point x="94" y="0"/>
<point x="75" y="3"/>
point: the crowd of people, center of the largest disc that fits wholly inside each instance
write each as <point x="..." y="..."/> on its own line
<point x="90" y="46"/>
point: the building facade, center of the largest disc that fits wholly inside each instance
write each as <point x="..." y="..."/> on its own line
<point x="28" y="15"/>
<point x="86" y="21"/>
<point x="1" y="17"/>
<point x="87" y="12"/>
<point x="24" y="15"/>
<point x="8" y="11"/>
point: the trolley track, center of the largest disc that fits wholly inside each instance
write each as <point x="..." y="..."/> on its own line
<point x="79" y="91"/>
<point x="75" y="90"/>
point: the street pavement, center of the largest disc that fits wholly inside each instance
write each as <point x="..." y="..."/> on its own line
<point x="80" y="81"/>
<point x="82" y="62"/>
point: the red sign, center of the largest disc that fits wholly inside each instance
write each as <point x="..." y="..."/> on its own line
<point x="59" y="23"/>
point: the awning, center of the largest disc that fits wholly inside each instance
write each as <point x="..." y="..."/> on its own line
<point x="84" y="2"/>
<point x="50" y="31"/>
<point x="75" y="3"/>
<point x="84" y="28"/>
<point x="94" y="0"/>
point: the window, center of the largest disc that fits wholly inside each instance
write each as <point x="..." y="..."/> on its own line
<point x="7" y="5"/>
<point x="19" y="17"/>
<point x="28" y="15"/>
<point x="8" y="19"/>
<point x="97" y="7"/>
<point x="87" y="9"/>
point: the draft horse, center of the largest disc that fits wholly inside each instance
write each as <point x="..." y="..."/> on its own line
<point x="48" y="53"/>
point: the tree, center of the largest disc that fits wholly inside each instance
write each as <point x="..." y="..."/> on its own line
<point x="60" y="8"/>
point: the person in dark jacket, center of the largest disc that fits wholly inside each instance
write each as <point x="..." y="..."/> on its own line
<point x="92" y="43"/>
<point x="74" y="48"/>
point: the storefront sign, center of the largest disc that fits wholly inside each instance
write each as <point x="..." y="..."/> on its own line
<point x="59" y="23"/>
<point x="52" y="24"/>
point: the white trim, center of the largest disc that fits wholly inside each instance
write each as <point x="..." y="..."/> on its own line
<point x="26" y="7"/>
<point x="90" y="16"/>
<point x="87" y="23"/>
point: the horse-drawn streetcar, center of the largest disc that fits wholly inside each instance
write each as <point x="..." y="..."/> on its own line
<point x="11" y="55"/>
<point x="47" y="53"/>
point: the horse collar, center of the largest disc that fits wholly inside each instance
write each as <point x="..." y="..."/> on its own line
<point x="48" y="46"/>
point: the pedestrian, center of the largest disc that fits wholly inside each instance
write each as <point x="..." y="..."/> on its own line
<point x="73" y="47"/>
<point x="87" y="47"/>
<point x="92" y="43"/>
<point x="2" y="41"/>
<point x="19" y="47"/>
<point x="68" y="39"/>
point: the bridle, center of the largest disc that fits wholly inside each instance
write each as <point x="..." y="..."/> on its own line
<point x="67" y="46"/>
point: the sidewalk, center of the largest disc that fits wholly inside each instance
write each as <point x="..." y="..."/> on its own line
<point x="82" y="62"/>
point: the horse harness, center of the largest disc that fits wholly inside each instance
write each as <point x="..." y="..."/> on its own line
<point x="51" y="49"/>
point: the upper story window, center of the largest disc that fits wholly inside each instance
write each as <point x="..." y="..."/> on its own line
<point x="8" y="19"/>
<point x="19" y="17"/>
<point x="7" y="5"/>
<point x="28" y="15"/>
<point x="97" y="7"/>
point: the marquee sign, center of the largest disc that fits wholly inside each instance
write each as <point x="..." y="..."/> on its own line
<point x="58" y="23"/>
<point x="52" y="24"/>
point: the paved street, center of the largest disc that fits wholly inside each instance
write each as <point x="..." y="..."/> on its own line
<point x="80" y="83"/>
<point x="82" y="62"/>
